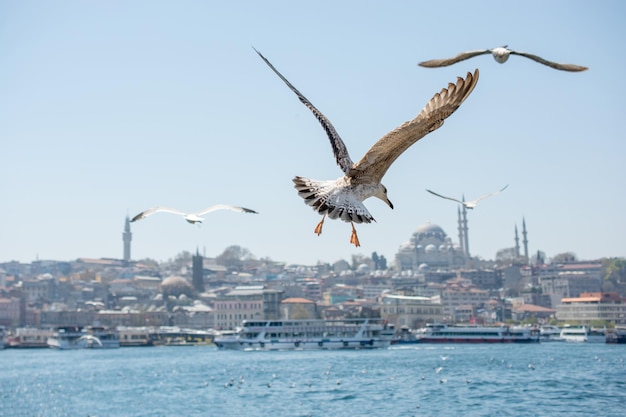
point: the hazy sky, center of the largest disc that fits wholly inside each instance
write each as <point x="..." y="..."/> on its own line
<point x="109" y="107"/>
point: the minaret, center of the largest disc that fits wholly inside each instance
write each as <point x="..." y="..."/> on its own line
<point x="465" y="230"/>
<point x="525" y="241"/>
<point x="516" y="243"/>
<point x="127" y="236"/>
<point x="461" y="238"/>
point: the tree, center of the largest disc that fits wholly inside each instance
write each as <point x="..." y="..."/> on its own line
<point x="565" y="257"/>
<point x="614" y="273"/>
<point x="232" y="257"/>
<point x="380" y="263"/>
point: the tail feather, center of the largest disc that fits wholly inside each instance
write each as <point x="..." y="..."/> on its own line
<point x="321" y="196"/>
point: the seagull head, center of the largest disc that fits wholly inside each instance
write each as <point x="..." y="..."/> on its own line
<point x="382" y="194"/>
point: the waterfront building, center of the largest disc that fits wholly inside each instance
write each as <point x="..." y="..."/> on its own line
<point x="410" y="311"/>
<point x="455" y="298"/>
<point x="241" y="303"/>
<point x="298" y="309"/>
<point x="570" y="280"/>
<point x="10" y="311"/>
<point x="593" y="306"/>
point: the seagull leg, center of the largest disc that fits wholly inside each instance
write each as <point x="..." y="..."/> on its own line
<point x="354" y="239"/>
<point x="318" y="228"/>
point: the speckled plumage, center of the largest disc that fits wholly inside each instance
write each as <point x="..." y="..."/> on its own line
<point x="343" y="198"/>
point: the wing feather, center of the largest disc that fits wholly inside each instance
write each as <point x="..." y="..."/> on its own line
<point x="339" y="148"/>
<point x="490" y="194"/>
<point x="555" y="65"/>
<point x="443" y="196"/>
<point x="376" y="162"/>
<point x="225" y="207"/>
<point x="434" y="63"/>
<point x="154" y="210"/>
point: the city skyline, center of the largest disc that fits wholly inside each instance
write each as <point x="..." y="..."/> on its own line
<point x="110" y="108"/>
<point x="519" y="248"/>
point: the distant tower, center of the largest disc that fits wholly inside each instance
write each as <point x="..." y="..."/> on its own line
<point x="465" y="230"/>
<point x="461" y="232"/>
<point x="525" y="241"/>
<point x="197" y="266"/>
<point x="127" y="236"/>
<point x="516" y="243"/>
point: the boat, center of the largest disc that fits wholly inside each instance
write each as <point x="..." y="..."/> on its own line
<point x="582" y="334"/>
<point x="134" y="336"/>
<point x="550" y="333"/>
<point x="443" y="333"/>
<point x="616" y="336"/>
<point x="405" y="337"/>
<point x="74" y="337"/>
<point x="368" y="333"/>
<point x="175" y="336"/>
<point x="29" y="337"/>
<point x="3" y="339"/>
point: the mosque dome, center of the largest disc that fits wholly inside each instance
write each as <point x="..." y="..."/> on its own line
<point x="176" y="286"/>
<point x="406" y="246"/>
<point x="431" y="248"/>
<point x="429" y="228"/>
<point x="423" y="267"/>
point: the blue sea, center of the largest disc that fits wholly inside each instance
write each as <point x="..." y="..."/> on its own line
<point x="549" y="379"/>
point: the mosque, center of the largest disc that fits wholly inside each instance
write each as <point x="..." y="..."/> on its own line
<point x="430" y="247"/>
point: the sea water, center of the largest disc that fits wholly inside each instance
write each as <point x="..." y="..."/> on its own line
<point x="548" y="379"/>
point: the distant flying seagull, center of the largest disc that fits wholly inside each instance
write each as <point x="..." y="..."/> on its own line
<point x="469" y="204"/>
<point x="343" y="198"/>
<point x="500" y="54"/>
<point x="191" y="217"/>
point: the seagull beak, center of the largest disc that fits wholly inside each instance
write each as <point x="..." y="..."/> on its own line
<point x="389" y="203"/>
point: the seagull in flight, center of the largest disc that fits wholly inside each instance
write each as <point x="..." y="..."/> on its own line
<point x="343" y="198"/>
<point x="470" y="204"/>
<point x="500" y="54"/>
<point x="191" y="217"/>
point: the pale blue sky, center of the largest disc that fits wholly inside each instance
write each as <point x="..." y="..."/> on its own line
<point x="108" y="108"/>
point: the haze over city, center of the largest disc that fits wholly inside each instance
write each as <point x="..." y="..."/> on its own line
<point x="110" y="108"/>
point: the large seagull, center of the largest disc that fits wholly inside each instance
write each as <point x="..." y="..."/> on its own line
<point x="191" y="217"/>
<point x="343" y="198"/>
<point x="472" y="203"/>
<point x="500" y="54"/>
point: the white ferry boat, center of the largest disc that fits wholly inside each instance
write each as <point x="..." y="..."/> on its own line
<point x="135" y="336"/>
<point x="30" y="337"/>
<point x="550" y="333"/>
<point x="309" y="335"/>
<point x="74" y="337"/>
<point x="582" y="334"/>
<point x="443" y="333"/>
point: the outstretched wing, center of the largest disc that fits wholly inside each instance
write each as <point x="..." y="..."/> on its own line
<point x="490" y="194"/>
<point x="434" y="63"/>
<point x="151" y="211"/>
<point x="339" y="148"/>
<point x="378" y="159"/>
<point x="225" y="207"/>
<point x="555" y="65"/>
<point x="443" y="196"/>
